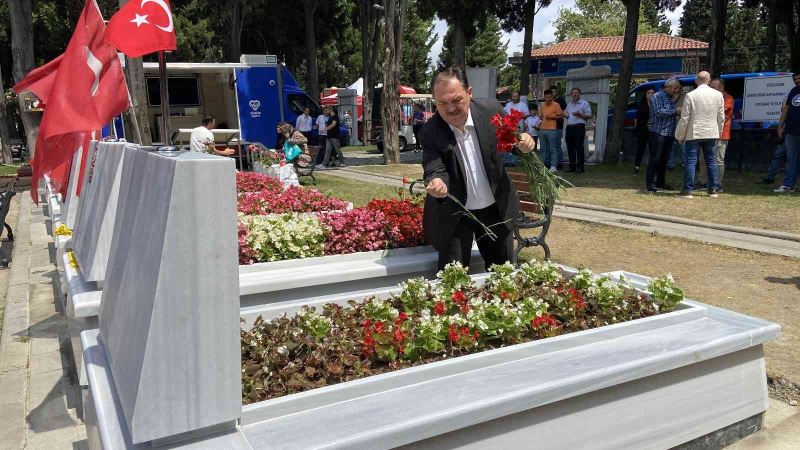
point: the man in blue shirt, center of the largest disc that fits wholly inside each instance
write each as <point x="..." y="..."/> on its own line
<point x="663" y="119"/>
<point x="789" y="130"/>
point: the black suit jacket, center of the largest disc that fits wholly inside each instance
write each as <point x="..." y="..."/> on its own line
<point x="440" y="160"/>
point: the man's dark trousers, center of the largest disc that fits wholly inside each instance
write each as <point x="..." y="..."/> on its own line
<point x="495" y="251"/>
<point x="660" y="150"/>
<point x="575" y="136"/>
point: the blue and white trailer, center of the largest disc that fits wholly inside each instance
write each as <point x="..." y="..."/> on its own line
<point x="251" y="96"/>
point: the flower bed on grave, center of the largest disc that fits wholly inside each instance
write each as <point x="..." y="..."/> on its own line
<point x="381" y="224"/>
<point x="426" y="322"/>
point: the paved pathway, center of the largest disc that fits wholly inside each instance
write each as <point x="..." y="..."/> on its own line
<point x="38" y="395"/>
<point x="738" y="237"/>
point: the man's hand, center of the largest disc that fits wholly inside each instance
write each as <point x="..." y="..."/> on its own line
<point x="437" y="188"/>
<point x="227" y="152"/>
<point x="780" y="132"/>
<point x="526" y="143"/>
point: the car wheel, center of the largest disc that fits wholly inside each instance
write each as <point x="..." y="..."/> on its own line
<point x="402" y="144"/>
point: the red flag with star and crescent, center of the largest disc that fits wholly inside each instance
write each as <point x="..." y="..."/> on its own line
<point x="87" y="91"/>
<point x="141" y="27"/>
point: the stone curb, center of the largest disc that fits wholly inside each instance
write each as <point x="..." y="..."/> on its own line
<point x="646" y="215"/>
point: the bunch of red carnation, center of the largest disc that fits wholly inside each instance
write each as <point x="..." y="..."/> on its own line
<point x="506" y="130"/>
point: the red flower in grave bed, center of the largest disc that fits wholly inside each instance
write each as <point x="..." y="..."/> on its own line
<point x="506" y="130"/>
<point x="460" y="299"/>
<point x="439" y="309"/>
<point x="576" y="298"/>
<point x="544" y="321"/>
<point x="403" y="221"/>
<point x="256" y="182"/>
<point x="294" y="199"/>
<point x="455" y="333"/>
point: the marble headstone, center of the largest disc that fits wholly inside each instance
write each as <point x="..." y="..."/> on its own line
<point x="97" y="210"/>
<point x="70" y="209"/>
<point x="169" y="315"/>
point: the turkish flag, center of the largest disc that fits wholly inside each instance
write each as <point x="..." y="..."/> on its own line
<point x="87" y="92"/>
<point x="40" y="80"/>
<point x="141" y="27"/>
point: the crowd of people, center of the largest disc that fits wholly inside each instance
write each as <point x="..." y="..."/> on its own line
<point x="546" y="124"/>
<point x="700" y="126"/>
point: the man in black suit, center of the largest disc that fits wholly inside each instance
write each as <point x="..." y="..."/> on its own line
<point x="460" y="158"/>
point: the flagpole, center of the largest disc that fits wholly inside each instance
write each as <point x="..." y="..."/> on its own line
<point x="162" y="73"/>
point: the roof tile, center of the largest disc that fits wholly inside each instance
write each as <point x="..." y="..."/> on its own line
<point x="613" y="44"/>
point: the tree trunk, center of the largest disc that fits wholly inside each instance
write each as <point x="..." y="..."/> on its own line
<point x="789" y="10"/>
<point x="370" y="45"/>
<point x="137" y="86"/>
<point x="615" y="141"/>
<point x="234" y="45"/>
<point x="5" y="136"/>
<point x="527" y="44"/>
<point x="312" y="73"/>
<point x="719" y="12"/>
<point x="772" y="34"/>
<point x="459" y="43"/>
<point x="394" y="21"/>
<point x="21" y="15"/>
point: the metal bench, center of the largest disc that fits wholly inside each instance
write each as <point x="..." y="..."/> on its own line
<point x="5" y="206"/>
<point x="305" y="162"/>
<point x="526" y="219"/>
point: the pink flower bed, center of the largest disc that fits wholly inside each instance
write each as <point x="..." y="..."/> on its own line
<point x="256" y="182"/>
<point x="294" y="199"/>
<point x="358" y="230"/>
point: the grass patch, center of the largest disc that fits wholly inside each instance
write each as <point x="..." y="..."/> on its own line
<point x="8" y="169"/>
<point x="401" y="170"/>
<point x="744" y="203"/>
<point x="358" y="148"/>
<point x="359" y="193"/>
<point x="752" y="283"/>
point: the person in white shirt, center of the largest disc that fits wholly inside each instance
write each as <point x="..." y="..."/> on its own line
<point x="532" y="123"/>
<point x="578" y="111"/>
<point x="700" y="126"/>
<point x="461" y="172"/>
<point x="304" y="123"/>
<point x="322" y="135"/>
<point x="202" y="139"/>
<point x="518" y="103"/>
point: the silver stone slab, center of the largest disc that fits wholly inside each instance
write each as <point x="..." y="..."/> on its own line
<point x="71" y="201"/>
<point x="169" y="315"/>
<point x="97" y="210"/>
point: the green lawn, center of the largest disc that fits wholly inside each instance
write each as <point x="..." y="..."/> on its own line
<point x="743" y="203"/>
<point x="358" y="148"/>
<point x="6" y="170"/>
<point x="351" y="190"/>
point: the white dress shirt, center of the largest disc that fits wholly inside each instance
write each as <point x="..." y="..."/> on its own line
<point x="303" y="123"/>
<point x="322" y="121"/>
<point x="581" y="106"/>
<point x="479" y="192"/>
<point x="200" y="138"/>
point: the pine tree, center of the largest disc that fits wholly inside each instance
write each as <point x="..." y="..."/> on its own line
<point x="486" y="49"/>
<point x="418" y="38"/>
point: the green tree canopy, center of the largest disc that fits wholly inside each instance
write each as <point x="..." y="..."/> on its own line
<point x="418" y="38"/>
<point x="594" y="18"/>
<point x="485" y="49"/>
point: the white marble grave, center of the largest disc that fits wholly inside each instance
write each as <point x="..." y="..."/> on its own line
<point x="97" y="211"/>
<point x="169" y="316"/>
<point x="650" y="383"/>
